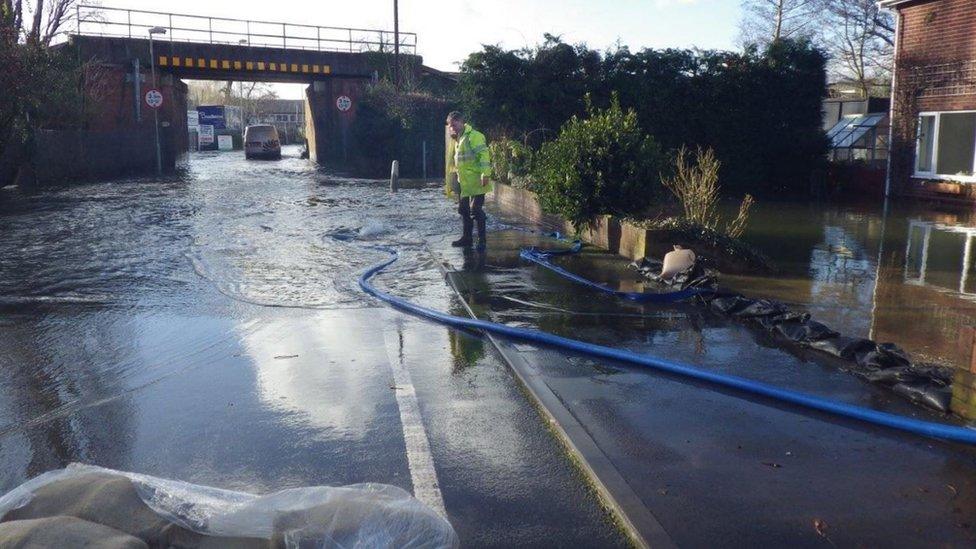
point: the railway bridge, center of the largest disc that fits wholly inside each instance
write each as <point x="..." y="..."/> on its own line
<point x="118" y="50"/>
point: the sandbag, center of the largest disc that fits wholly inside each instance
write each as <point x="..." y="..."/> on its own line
<point x="168" y="513"/>
<point x="933" y="395"/>
<point x="677" y="261"/>
<point x="64" y="532"/>
<point x="97" y="497"/>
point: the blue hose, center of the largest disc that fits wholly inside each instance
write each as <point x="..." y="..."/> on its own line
<point x="542" y="258"/>
<point x="901" y="423"/>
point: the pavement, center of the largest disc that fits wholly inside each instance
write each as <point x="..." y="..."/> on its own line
<point x="693" y="466"/>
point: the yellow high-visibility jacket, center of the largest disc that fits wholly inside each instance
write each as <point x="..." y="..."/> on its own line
<point x="469" y="158"/>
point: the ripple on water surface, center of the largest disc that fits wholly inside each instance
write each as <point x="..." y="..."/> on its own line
<point x="271" y="233"/>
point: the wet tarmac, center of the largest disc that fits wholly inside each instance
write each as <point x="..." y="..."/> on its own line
<point x="714" y="468"/>
<point x="207" y="327"/>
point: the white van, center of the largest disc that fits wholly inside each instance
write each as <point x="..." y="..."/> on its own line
<point x="261" y="141"/>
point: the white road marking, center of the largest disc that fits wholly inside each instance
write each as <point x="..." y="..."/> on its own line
<point x="419" y="459"/>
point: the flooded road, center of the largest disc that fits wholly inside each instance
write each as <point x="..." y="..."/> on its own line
<point x="207" y="327"/>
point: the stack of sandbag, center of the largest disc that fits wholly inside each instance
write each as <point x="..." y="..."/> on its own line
<point x="883" y="363"/>
<point x="86" y="506"/>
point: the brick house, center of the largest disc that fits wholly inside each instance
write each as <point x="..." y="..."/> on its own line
<point x="933" y="118"/>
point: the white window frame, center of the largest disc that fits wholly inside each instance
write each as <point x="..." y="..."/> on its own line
<point x="935" y="150"/>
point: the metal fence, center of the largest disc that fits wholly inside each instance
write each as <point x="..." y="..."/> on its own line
<point x="120" y="22"/>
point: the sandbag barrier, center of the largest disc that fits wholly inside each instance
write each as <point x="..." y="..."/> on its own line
<point x="883" y="363"/>
<point x="746" y="386"/>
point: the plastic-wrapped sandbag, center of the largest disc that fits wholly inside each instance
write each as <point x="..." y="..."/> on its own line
<point x="166" y="513"/>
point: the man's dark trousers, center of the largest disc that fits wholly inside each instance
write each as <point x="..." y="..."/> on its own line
<point x="472" y="208"/>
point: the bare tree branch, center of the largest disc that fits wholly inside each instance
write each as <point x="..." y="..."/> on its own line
<point x="35" y="32"/>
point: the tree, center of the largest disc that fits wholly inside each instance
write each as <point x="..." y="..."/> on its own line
<point x="42" y="87"/>
<point x="515" y="92"/>
<point x="860" y="40"/>
<point x="760" y="109"/>
<point x="48" y="19"/>
<point x="768" y="21"/>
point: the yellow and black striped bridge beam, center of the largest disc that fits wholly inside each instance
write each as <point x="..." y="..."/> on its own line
<point x="237" y="62"/>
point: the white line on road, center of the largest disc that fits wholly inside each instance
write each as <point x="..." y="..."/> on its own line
<point x="419" y="459"/>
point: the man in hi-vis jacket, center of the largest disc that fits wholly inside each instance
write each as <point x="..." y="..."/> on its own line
<point x="469" y="169"/>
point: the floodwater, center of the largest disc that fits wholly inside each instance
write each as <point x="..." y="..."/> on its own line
<point x="207" y="326"/>
<point x="903" y="273"/>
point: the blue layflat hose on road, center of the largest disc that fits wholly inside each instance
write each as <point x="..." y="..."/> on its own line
<point x="541" y="257"/>
<point x="901" y="423"/>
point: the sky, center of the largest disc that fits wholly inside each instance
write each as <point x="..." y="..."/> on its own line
<point x="448" y="30"/>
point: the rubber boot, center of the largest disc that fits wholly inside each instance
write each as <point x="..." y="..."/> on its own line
<point x="482" y="233"/>
<point x="465" y="240"/>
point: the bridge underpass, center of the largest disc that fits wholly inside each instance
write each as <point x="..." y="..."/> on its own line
<point x="332" y="61"/>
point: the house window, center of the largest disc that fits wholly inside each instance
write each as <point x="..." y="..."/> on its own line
<point x="946" y="147"/>
<point x="926" y="143"/>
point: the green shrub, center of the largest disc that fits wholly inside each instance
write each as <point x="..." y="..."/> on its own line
<point x="511" y="161"/>
<point x="602" y="164"/>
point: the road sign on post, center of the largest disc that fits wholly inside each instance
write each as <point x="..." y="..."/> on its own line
<point x="343" y="103"/>
<point x="154" y="98"/>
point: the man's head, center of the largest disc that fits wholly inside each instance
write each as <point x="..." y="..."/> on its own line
<point x="455" y="121"/>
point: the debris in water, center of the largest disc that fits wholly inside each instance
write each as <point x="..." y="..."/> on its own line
<point x="821" y="527"/>
<point x="772" y="464"/>
<point x="280" y="357"/>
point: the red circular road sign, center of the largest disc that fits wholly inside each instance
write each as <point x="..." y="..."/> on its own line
<point x="154" y="98"/>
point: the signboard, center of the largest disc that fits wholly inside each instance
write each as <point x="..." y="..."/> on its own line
<point x="154" y="98"/>
<point x="343" y="103"/>
<point x="192" y="119"/>
<point x="206" y="135"/>
<point x="225" y="143"/>
<point x="212" y="115"/>
<point x="233" y="118"/>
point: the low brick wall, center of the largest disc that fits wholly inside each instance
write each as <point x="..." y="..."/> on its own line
<point x="964" y="381"/>
<point x="619" y="237"/>
<point x="62" y="156"/>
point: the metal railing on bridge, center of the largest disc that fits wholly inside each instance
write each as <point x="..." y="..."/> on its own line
<point x="120" y="22"/>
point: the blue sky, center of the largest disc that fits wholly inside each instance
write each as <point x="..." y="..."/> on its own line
<point x="449" y="30"/>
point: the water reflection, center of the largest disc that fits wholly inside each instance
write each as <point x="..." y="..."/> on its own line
<point x="898" y="272"/>
<point x="940" y="256"/>
<point x="62" y="404"/>
<point x="323" y="370"/>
